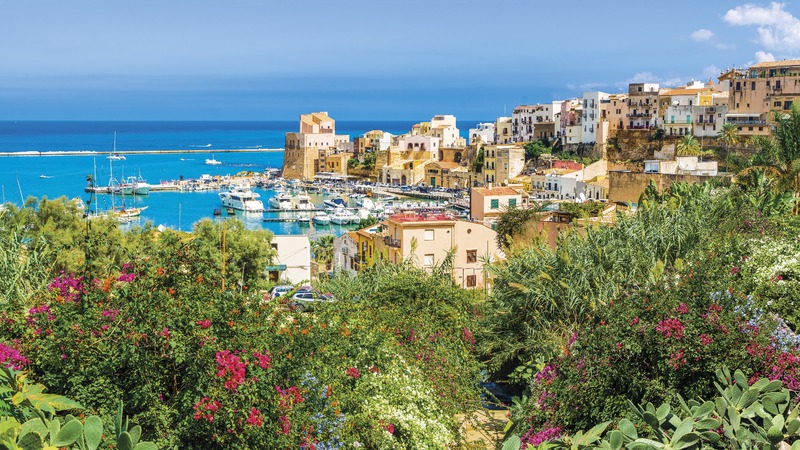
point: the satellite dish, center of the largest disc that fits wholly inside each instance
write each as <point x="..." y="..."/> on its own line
<point x="676" y="103"/>
<point x="582" y="197"/>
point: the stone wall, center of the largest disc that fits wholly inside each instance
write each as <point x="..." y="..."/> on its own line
<point x="299" y="163"/>
<point x="626" y="187"/>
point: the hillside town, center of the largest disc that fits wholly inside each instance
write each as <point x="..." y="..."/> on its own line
<point x="602" y="148"/>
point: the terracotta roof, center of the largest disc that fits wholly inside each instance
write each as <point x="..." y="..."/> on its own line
<point x="502" y="190"/>
<point x="771" y="64"/>
<point x="353" y="235"/>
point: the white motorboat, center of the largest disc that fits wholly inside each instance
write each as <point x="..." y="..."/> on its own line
<point x="303" y="218"/>
<point x="303" y="202"/>
<point x="242" y="198"/>
<point x="321" y="218"/>
<point x="212" y="161"/>
<point x="341" y="217"/>
<point x="335" y="203"/>
<point x="281" y="200"/>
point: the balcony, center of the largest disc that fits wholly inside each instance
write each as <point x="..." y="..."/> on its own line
<point x="389" y="242"/>
<point x="748" y="122"/>
<point x="639" y="114"/>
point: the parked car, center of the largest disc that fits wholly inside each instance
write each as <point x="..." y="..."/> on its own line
<point x="305" y="300"/>
<point x="279" y="290"/>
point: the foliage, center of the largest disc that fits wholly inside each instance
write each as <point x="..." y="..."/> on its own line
<point x="688" y="146"/>
<point x="477" y="165"/>
<point x="322" y="248"/>
<point x="535" y="149"/>
<point x="513" y="221"/>
<point x="744" y="414"/>
<point x="202" y="361"/>
<point x="586" y="209"/>
<point x="369" y="159"/>
<point x="542" y="295"/>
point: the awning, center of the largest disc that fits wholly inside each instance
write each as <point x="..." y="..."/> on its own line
<point x="742" y="115"/>
<point x="278" y="268"/>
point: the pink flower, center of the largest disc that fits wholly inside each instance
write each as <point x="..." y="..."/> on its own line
<point x="203" y="323"/>
<point x="264" y="360"/>
<point x="635" y="321"/>
<point x="285" y="425"/>
<point x="682" y="309"/>
<point x="165" y="333"/>
<point x="671" y="328"/>
<point x="231" y="366"/>
<point x="390" y="428"/>
<point x="11" y="357"/>
<point x="254" y="418"/>
<point x="677" y="359"/>
<point x="467" y="336"/>
<point x="706" y="339"/>
<point x="734" y="270"/>
<point x="353" y="372"/>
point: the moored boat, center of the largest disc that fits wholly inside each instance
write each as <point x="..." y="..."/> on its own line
<point x="242" y="198"/>
<point x="321" y="218"/>
<point x="281" y="200"/>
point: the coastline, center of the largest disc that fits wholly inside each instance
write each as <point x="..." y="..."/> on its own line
<point x="137" y="152"/>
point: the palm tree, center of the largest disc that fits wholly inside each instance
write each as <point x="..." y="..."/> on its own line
<point x="688" y="146"/>
<point x="322" y="248"/>
<point x="779" y="156"/>
<point x="728" y="135"/>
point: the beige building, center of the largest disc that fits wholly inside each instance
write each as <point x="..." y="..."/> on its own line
<point x="642" y="106"/>
<point x="487" y="203"/>
<point x="426" y="240"/>
<point x="502" y="163"/>
<point x="293" y="263"/>
<point x="757" y="92"/>
<point x="503" y="131"/>
<point x="305" y="151"/>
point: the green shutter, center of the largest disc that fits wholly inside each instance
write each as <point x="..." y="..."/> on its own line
<point x="512" y="203"/>
<point x="495" y="203"/>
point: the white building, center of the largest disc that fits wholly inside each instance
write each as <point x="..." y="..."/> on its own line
<point x="591" y="115"/>
<point x="345" y="252"/>
<point x="522" y="123"/>
<point x="484" y="131"/>
<point x="293" y="263"/>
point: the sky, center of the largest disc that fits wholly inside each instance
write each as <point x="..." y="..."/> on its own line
<point x="362" y="60"/>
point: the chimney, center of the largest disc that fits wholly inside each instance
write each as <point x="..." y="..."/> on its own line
<point x="490" y="186"/>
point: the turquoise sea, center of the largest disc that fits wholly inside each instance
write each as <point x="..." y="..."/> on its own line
<point x="55" y="176"/>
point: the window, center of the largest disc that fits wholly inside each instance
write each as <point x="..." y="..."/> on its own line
<point x="472" y="256"/>
<point x="274" y="246"/>
<point x="428" y="260"/>
<point x="471" y="279"/>
<point x="495" y="203"/>
<point x="428" y="235"/>
<point x="512" y="203"/>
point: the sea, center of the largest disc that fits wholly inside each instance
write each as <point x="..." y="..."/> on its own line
<point x="240" y="146"/>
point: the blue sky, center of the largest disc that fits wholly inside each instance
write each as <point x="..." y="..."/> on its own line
<point x="407" y="59"/>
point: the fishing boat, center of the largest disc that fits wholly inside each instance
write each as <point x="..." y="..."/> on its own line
<point x="321" y="218"/>
<point x="44" y="176"/>
<point x="282" y="200"/>
<point x="135" y="186"/>
<point x="242" y="198"/>
<point x="212" y="161"/>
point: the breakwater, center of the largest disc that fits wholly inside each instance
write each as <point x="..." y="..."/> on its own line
<point x="137" y="152"/>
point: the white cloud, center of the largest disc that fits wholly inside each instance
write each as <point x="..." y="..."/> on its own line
<point x="776" y="28"/>
<point x="702" y="35"/>
<point x="764" y="57"/>
<point x="649" y="77"/>
<point x="711" y="72"/>
<point x="586" y="87"/>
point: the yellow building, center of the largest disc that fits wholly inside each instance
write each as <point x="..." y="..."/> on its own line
<point x="763" y="88"/>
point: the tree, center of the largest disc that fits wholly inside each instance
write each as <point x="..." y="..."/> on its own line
<point x="779" y="156"/>
<point x="477" y="166"/>
<point x="728" y="135"/>
<point x="322" y="248"/>
<point x="535" y="149"/>
<point x="688" y="146"/>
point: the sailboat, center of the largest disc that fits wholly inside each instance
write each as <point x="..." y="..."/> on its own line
<point x="114" y="156"/>
<point x="123" y="214"/>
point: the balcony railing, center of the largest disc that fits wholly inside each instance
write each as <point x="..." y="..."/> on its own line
<point x="389" y="242"/>
<point x="640" y="114"/>
<point x="748" y="122"/>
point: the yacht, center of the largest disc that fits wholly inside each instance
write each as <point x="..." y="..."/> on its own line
<point x="242" y="198"/>
<point x="282" y="200"/>
<point x="212" y="161"/>
<point x="321" y="218"/>
<point x="341" y="217"/>
<point x="335" y="203"/>
<point x="303" y="202"/>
